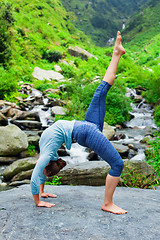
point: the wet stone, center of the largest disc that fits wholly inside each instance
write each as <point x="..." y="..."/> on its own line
<point x="25" y="124"/>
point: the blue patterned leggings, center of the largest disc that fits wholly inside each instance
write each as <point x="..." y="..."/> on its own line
<point x="88" y="133"/>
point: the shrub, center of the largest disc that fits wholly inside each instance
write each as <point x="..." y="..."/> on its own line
<point x="153" y="154"/>
<point x="157" y="115"/>
<point x="55" y="181"/>
<point x="133" y="178"/>
<point x="8" y="83"/>
<point x="154" y="86"/>
<point x="6" y="21"/>
<point x="52" y="55"/>
<point x="117" y="104"/>
<point x="68" y="71"/>
<point x="31" y="150"/>
<point x="42" y="85"/>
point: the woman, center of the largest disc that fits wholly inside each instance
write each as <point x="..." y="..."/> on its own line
<point x="87" y="133"/>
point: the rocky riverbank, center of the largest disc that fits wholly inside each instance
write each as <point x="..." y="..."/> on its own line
<point x="22" y="126"/>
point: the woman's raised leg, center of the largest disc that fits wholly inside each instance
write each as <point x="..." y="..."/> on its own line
<point x="112" y="68"/>
<point x="111" y="181"/>
<point x="97" y="108"/>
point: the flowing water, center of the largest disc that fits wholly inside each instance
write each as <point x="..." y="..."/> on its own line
<point x="139" y="126"/>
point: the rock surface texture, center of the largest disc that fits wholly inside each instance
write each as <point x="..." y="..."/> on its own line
<point x="42" y="74"/>
<point x="13" y="140"/>
<point x="78" y="215"/>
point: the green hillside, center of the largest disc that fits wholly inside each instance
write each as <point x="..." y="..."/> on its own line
<point x="38" y="27"/>
<point x="100" y="19"/>
<point x="39" y="30"/>
<point x="143" y="27"/>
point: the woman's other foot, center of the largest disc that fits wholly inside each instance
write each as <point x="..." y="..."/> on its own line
<point x="111" y="207"/>
<point x="118" y="48"/>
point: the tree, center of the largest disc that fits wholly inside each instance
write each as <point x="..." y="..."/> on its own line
<point x="6" y="21"/>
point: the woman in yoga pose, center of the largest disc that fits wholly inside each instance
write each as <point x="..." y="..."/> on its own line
<point x="87" y="133"/>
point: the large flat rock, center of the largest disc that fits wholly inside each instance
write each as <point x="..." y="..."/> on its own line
<point x="78" y="215"/>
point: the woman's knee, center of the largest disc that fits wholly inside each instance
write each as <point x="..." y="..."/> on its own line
<point x="117" y="167"/>
<point x="120" y="165"/>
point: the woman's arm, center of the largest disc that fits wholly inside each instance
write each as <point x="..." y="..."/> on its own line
<point x="38" y="178"/>
<point x="46" y="195"/>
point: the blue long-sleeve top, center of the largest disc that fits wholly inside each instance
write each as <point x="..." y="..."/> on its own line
<point x="51" y="140"/>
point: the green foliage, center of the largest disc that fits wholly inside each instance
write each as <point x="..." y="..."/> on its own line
<point x="141" y="29"/>
<point x="47" y="26"/>
<point x="154" y="86"/>
<point x="100" y="19"/>
<point x="52" y="55"/>
<point x="6" y="21"/>
<point x="52" y="95"/>
<point x="31" y="150"/>
<point x="42" y="85"/>
<point x="157" y="115"/>
<point x="153" y="154"/>
<point x="8" y="83"/>
<point x="117" y="105"/>
<point x="68" y="71"/>
<point x="55" y="181"/>
<point x="133" y="178"/>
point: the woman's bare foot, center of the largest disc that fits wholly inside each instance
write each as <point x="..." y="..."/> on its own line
<point x="118" y="48"/>
<point x="113" y="208"/>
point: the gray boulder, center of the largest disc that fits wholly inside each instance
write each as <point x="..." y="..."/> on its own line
<point x="12" y="141"/>
<point x="19" y="183"/>
<point x="6" y="160"/>
<point x="58" y="110"/>
<point x="27" y="124"/>
<point x="79" y="52"/>
<point x="23" y="175"/>
<point x="123" y="150"/>
<point x="18" y="166"/>
<point x="42" y="74"/>
<point x="88" y="173"/>
<point x="108" y="131"/>
<point x="25" y="115"/>
<point x="94" y="173"/>
<point x="132" y="153"/>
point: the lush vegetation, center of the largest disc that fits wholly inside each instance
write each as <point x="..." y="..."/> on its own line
<point x="136" y="179"/>
<point x="141" y="29"/>
<point x="153" y="153"/>
<point x="101" y="18"/>
<point x="6" y="21"/>
<point x="30" y="151"/>
<point x="55" y="181"/>
<point x="39" y="39"/>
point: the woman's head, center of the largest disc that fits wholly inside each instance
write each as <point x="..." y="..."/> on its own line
<point x="54" y="167"/>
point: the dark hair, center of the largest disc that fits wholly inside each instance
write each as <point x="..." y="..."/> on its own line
<point x="54" y="167"/>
